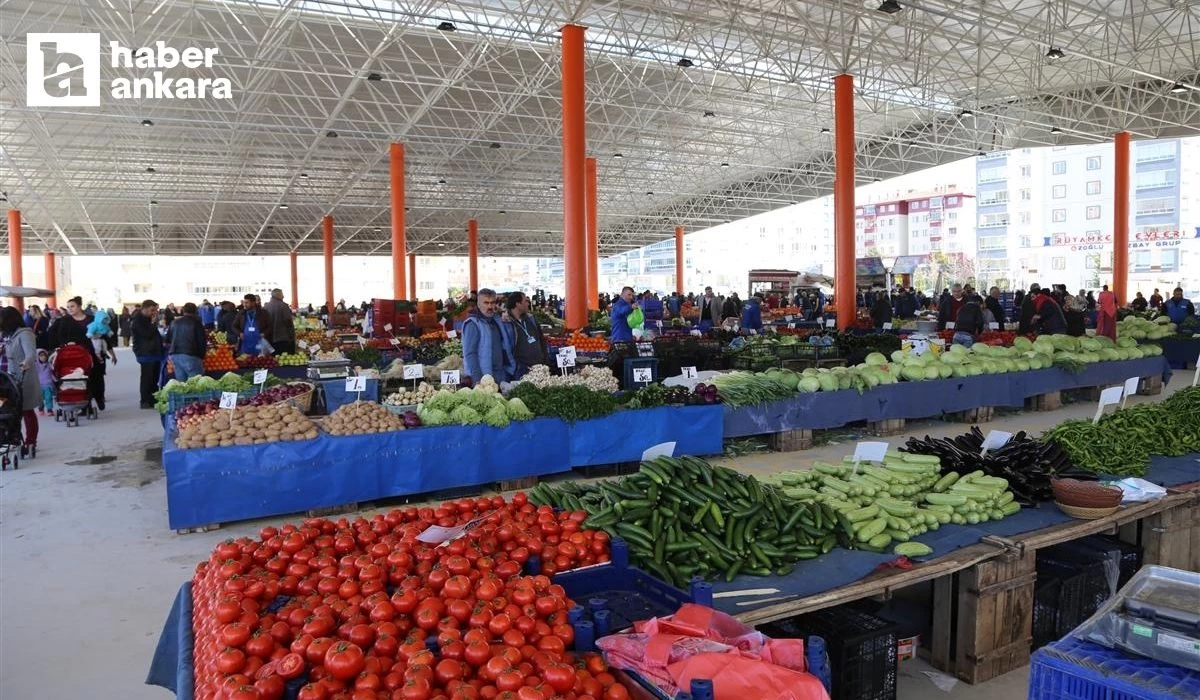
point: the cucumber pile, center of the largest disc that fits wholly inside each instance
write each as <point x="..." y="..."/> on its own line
<point x="876" y="506"/>
<point x="683" y="517"/>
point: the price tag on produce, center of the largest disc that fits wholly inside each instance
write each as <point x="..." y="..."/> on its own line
<point x="362" y="342"/>
<point x="643" y="375"/>
<point x="565" y="361"/>
<point x="1109" y="397"/>
<point x="436" y="534"/>
<point x="887" y="326"/>
<point x="949" y="325"/>
<point x="414" y="371"/>
<point x="688" y="372"/>
<point x="993" y="326"/>
<point x="791" y="325"/>
<point x="229" y="399"/>
<point x="830" y="322"/>
<point x="450" y="376"/>
<point x="645" y="349"/>
<point x="329" y="334"/>
<point x="869" y="452"/>
<point x="569" y="351"/>
<point x="303" y="344"/>
<point x="260" y="376"/>
<point x="1131" y="387"/>
<point x="452" y="334"/>
<point x="995" y="440"/>
<point x="394" y="341"/>
<point x="663" y="449"/>
<point x="787" y="318"/>
<point x="387" y="327"/>
<point x="357" y="385"/>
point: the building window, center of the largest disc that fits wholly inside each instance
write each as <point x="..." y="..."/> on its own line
<point x="1059" y="167"/>
<point x="951" y="201"/>
<point x="1059" y="263"/>
<point x="1026" y="171"/>
<point x="1089" y="263"/>
<point x="1026" y="194"/>
<point x="1093" y="163"/>
<point x="1159" y="205"/>
<point x="1155" y="150"/>
<point x="1141" y="261"/>
<point x="1058" y="215"/>
<point x="1026" y="218"/>
<point x="1170" y="260"/>
<point x="1155" y="178"/>
<point x="1024" y="241"/>
<point x="1059" y="192"/>
<point x="1093" y="187"/>
<point x="952" y="216"/>
<point x="1093" y="212"/>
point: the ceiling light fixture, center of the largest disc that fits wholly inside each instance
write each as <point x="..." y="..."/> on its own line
<point x="150" y="169"/>
<point x="303" y="176"/>
<point x="878" y="179"/>
<point x="494" y="145"/>
<point x="685" y="63"/>
<point x="378" y="230"/>
<point x="724" y="165"/>
<point x="649" y="194"/>
<point x="502" y="211"/>
<point x="441" y="245"/>
<point x="1055" y="130"/>
<point x="374" y="77"/>
<point x="442" y="181"/>
<point x="890" y="7"/>
<point x="553" y="188"/>
<point x="1055" y="53"/>
<point x="708" y="114"/>
<point x="825" y="130"/>
<point x="331" y="134"/>
<point x="1178" y="88"/>
<point x="446" y="27"/>
<point x="966" y="114"/>
<point x="283" y="206"/>
<point x="147" y="122"/>
<point x="618" y="156"/>
<point x="154" y="202"/>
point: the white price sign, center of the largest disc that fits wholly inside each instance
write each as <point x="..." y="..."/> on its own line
<point x="356" y="384"/>
<point x="567" y="351"/>
<point x="870" y="452"/>
<point x="414" y="371"/>
<point x="688" y="372"/>
<point x="387" y="327"/>
<point x="830" y="322"/>
<point x="394" y="341"/>
<point x="787" y="318"/>
<point x="450" y="376"/>
<point x="303" y="344"/>
<point x="663" y="449"/>
<point x="643" y="375"/>
<point x="451" y="334"/>
<point x="993" y="326"/>
<point x="949" y="325"/>
<point x="329" y="334"/>
<point x="229" y="399"/>
<point x="887" y="326"/>
<point x="1131" y="387"/>
<point x="260" y="376"/>
<point x="566" y="361"/>
<point x="1109" y="397"/>
<point x="994" y="440"/>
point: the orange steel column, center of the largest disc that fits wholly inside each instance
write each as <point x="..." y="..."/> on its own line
<point x="295" y="280"/>
<point x="396" y="154"/>
<point x="14" y="254"/>
<point x="327" y="222"/>
<point x="51" y="279"/>
<point x="473" y="254"/>
<point x="843" y="198"/>
<point x="679" y="260"/>
<point x="1120" y="263"/>
<point x="412" y="276"/>
<point x="593" y="237"/>
<point x="574" y="196"/>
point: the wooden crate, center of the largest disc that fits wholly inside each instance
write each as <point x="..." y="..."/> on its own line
<point x="883" y="428"/>
<point x="1050" y="401"/>
<point x="525" y="482"/>
<point x="1150" y="386"/>
<point x="1172" y="538"/>
<point x="995" y="617"/>
<point x="982" y="414"/>
<point x="334" y="510"/>
<point x="791" y="440"/>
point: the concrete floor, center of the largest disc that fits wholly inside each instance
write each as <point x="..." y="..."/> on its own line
<point x="88" y="566"/>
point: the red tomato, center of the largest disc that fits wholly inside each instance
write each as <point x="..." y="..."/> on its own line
<point x="561" y="677"/>
<point x="312" y="691"/>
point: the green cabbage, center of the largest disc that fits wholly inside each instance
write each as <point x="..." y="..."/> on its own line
<point x="465" y="415"/>
<point x="496" y="417"/>
<point x="517" y="410"/>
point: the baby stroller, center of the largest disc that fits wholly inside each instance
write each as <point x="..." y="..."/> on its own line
<point x="72" y="363"/>
<point x="10" y="422"/>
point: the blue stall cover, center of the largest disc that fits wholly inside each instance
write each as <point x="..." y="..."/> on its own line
<point x="832" y="409"/>
<point x="624" y="435"/>
<point x="225" y="484"/>
<point x="1180" y="352"/>
<point x="172" y="666"/>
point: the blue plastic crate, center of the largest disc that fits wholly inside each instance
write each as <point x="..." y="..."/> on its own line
<point x="1072" y="669"/>
<point x="627" y="593"/>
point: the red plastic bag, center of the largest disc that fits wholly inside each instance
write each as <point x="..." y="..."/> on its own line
<point x="736" y="677"/>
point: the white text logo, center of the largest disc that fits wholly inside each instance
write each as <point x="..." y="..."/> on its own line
<point x="62" y="70"/>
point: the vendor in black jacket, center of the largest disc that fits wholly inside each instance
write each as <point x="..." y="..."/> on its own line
<point x="970" y="318"/>
<point x="148" y="349"/>
<point x="993" y="304"/>
<point x="1028" y="309"/>
<point x="186" y="343"/>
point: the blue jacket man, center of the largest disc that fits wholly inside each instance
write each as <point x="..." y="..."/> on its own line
<point x="484" y="349"/>
<point x="208" y="314"/>
<point x="1177" y="308"/>
<point x="621" y="308"/>
<point x="752" y="314"/>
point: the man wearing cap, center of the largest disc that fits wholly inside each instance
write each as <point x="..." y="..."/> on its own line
<point x="282" y="331"/>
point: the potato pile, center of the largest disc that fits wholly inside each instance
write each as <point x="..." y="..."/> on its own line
<point x="251" y="425"/>
<point x="362" y="418"/>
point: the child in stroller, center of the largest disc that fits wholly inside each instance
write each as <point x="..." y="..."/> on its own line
<point x="10" y="422"/>
<point x="72" y="364"/>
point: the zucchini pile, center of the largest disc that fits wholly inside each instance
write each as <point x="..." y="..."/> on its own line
<point x="683" y="517"/>
<point x="876" y="506"/>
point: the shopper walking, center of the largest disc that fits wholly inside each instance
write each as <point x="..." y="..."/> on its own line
<point x="251" y="326"/>
<point x="1029" y="309"/>
<point x="710" y="308"/>
<point x="71" y="327"/>
<point x="186" y="342"/>
<point x="123" y="326"/>
<point x="207" y="314"/>
<point x="1106" y="316"/>
<point x="751" y="318"/>
<point x="622" y="307"/>
<point x="526" y="340"/>
<point x="148" y="349"/>
<point x="1156" y="299"/>
<point x="283" y="326"/>
<point x="881" y="310"/>
<point x="45" y="374"/>
<point x="1177" y="308"/>
<point x="225" y="318"/>
<point x="18" y="356"/>
<point x="484" y="351"/>
<point x="949" y="306"/>
<point x="99" y="333"/>
<point x="40" y="325"/>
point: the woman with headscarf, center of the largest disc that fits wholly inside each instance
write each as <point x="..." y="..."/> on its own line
<point x="1106" y="314"/>
<point x="18" y="357"/>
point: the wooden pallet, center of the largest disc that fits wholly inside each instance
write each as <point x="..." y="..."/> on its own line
<point x="335" y="510"/>
<point x="521" y="484"/>
<point x="1150" y="386"/>
<point x="995" y="617"/>
<point x="884" y="428"/>
<point x="790" y="440"/>
<point x="982" y="414"/>
<point x="1050" y="401"/>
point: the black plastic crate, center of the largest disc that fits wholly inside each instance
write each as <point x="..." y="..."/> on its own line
<point x="1056" y="601"/>
<point x="861" y="649"/>
<point x="1130" y="555"/>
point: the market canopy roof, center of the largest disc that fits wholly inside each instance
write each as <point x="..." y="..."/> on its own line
<point x="737" y="133"/>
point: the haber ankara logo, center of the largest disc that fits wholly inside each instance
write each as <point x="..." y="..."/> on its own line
<point x="62" y="70"/>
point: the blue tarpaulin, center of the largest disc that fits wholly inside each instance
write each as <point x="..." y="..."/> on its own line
<point x="1180" y="352"/>
<point x="206" y="486"/>
<point x="624" y="435"/>
<point x="924" y="399"/>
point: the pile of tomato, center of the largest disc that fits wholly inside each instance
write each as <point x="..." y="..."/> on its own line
<point x="362" y="610"/>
